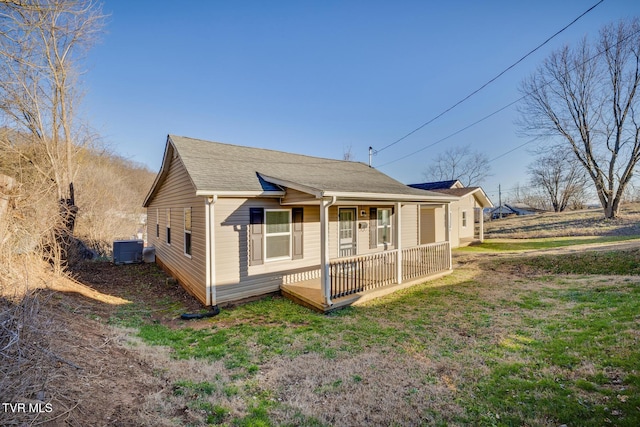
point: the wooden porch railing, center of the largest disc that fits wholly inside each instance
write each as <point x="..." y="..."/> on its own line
<point x="360" y="273"/>
<point x="425" y="259"/>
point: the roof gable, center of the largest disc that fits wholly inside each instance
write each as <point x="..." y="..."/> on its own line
<point x="455" y="188"/>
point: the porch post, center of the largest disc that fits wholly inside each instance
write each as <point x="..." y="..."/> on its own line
<point x="447" y="216"/>
<point x="481" y="225"/>
<point x="399" y="243"/>
<point x="325" y="278"/>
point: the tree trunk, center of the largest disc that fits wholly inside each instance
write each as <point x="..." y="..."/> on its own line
<point x="611" y="208"/>
<point x="64" y="231"/>
<point x="6" y="185"/>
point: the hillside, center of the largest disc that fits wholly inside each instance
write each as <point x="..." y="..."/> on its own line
<point x="587" y="222"/>
<point x="110" y="192"/>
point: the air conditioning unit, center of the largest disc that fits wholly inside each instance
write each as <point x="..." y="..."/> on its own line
<point x="127" y="251"/>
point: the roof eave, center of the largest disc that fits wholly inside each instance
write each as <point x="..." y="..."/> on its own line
<point x="268" y="193"/>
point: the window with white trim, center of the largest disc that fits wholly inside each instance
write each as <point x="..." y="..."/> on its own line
<point x="187" y="232"/>
<point x="168" y="226"/>
<point x="464" y="219"/>
<point x="277" y="241"/>
<point x="384" y="226"/>
<point x="157" y="223"/>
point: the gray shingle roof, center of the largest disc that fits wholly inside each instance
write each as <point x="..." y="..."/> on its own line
<point x="216" y="166"/>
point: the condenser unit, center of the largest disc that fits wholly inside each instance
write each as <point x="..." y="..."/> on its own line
<point x="127" y="251"/>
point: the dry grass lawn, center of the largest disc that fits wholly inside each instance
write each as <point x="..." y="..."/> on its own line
<point x="504" y="340"/>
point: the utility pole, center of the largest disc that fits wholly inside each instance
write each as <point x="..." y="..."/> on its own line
<point x="500" y="200"/>
<point x="370" y="155"/>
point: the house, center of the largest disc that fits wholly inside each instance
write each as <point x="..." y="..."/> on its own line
<point x="467" y="219"/>
<point x="513" y="209"/>
<point x="231" y="222"/>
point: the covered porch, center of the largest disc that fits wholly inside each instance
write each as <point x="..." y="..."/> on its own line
<point x="357" y="279"/>
<point x="369" y="242"/>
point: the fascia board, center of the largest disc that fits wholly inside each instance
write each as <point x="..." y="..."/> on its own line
<point x="206" y="193"/>
<point x="391" y="197"/>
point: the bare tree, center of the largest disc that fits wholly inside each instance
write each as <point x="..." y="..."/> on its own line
<point x="461" y="163"/>
<point x="41" y="42"/>
<point x="560" y="177"/>
<point x="41" y="45"/>
<point x="587" y="98"/>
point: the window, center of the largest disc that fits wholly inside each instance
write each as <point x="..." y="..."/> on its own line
<point x="277" y="234"/>
<point x="157" y="222"/>
<point x="384" y="226"/>
<point x="464" y="218"/>
<point x="168" y="226"/>
<point x="187" y="231"/>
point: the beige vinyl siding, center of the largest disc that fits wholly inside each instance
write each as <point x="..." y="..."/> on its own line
<point x="466" y="204"/>
<point x="234" y="277"/>
<point x="455" y="226"/>
<point x="432" y="225"/>
<point x="409" y="228"/>
<point x="409" y="224"/>
<point x="333" y="232"/>
<point x="177" y="193"/>
<point x="363" y="233"/>
<point x="152" y="217"/>
<point x="440" y="223"/>
<point x="295" y="196"/>
<point x="458" y="232"/>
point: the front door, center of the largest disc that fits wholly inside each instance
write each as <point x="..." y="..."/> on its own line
<point x="347" y="231"/>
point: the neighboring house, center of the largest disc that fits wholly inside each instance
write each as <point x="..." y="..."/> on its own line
<point x="513" y="209"/>
<point x="231" y="222"/>
<point x="466" y="213"/>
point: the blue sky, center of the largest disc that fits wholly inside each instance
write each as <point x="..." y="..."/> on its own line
<point x="317" y="77"/>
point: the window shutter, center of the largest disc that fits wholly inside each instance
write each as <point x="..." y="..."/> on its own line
<point x="256" y="235"/>
<point x="297" y="227"/>
<point x="373" y="228"/>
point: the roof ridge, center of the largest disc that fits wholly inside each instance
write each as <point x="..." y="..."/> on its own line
<point x="172" y="136"/>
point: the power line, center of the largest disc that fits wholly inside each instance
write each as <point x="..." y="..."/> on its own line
<point x="456" y="132"/>
<point x="512" y="150"/>
<point x="490" y="81"/>
<point x="507" y="106"/>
